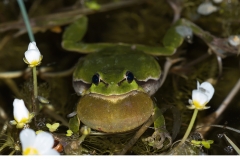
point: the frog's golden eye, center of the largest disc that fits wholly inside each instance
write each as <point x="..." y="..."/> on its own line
<point x="95" y="79"/>
<point x="129" y="76"/>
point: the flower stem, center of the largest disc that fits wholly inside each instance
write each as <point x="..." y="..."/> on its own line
<point x="26" y="20"/>
<point x="189" y="127"/>
<point x="35" y="90"/>
<point x="35" y="82"/>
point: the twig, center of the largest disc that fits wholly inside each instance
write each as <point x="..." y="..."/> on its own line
<point x="232" y="144"/>
<point x="168" y="64"/>
<point x="144" y="127"/>
<point x="57" y="74"/>
<point x="42" y="73"/>
<point x="221" y="126"/>
<point x="63" y="18"/>
<point x="4" y="40"/>
<point x="176" y="6"/>
<point x="13" y="86"/>
<point x="227" y="100"/>
<point x="13" y="74"/>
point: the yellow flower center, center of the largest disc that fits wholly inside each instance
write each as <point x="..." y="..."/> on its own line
<point x="35" y="63"/>
<point x="236" y="39"/>
<point x="30" y="151"/>
<point x="24" y="120"/>
<point x="198" y="105"/>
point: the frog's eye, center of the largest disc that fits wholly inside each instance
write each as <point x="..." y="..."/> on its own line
<point x="129" y="76"/>
<point x="95" y="79"/>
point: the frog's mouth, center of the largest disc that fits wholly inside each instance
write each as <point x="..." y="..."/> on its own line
<point x="115" y="113"/>
<point x="150" y="87"/>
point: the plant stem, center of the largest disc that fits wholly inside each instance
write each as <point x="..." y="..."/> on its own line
<point x="31" y="37"/>
<point x="26" y="20"/>
<point x="189" y="127"/>
<point x="35" y="82"/>
<point x="35" y="91"/>
<point x="12" y="153"/>
<point x="232" y="144"/>
<point x="3" y="146"/>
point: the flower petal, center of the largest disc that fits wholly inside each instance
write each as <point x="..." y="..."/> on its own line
<point x="27" y="138"/>
<point x="43" y="142"/>
<point x="199" y="97"/>
<point x="32" y="55"/>
<point x="206" y="107"/>
<point x="190" y="102"/>
<point x="32" y="45"/>
<point x="198" y="84"/>
<point x="13" y="122"/>
<point x="191" y="107"/>
<point x="20" y="112"/>
<point x="209" y="90"/>
<point x="206" y="8"/>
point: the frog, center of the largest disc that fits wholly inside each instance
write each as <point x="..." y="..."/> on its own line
<point x="115" y="90"/>
<point x="116" y="82"/>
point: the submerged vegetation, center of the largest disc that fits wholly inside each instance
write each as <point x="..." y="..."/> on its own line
<point x="192" y="41"/>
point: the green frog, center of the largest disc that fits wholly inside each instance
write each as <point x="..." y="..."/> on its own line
<point x="116" y="81"/>
<point x="116" y="85"/>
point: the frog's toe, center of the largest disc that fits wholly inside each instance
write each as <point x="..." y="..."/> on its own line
<point x="158" y="138"/>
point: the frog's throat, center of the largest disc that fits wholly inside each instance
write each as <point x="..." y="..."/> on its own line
<point x="114" y="98"/>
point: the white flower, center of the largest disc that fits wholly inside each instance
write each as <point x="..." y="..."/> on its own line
<point x="234" y="40"/>
<point x="21" y="114"/>
<point x="33" y="56"/>
<point x="201" y="96"/>
<point x="206" y="8"/>
<point x="40" y="144"/>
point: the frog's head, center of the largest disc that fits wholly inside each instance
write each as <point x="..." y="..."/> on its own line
<point x="116" y="72"/>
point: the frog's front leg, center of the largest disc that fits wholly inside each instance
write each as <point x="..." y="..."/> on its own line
<point x="160" y="134"/>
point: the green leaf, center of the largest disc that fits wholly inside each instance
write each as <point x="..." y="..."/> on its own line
<point x="196" y="142"/>
<point x="206" y="144"/>
<point x="74" y="124"/>
<point x="69" y="133"/>
<point x="76" y="30"/>
<point x="53" y="127"/>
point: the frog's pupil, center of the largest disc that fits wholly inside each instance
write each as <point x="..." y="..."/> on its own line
<point x="129" y="76"/>
<point x="95" y="79"/>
